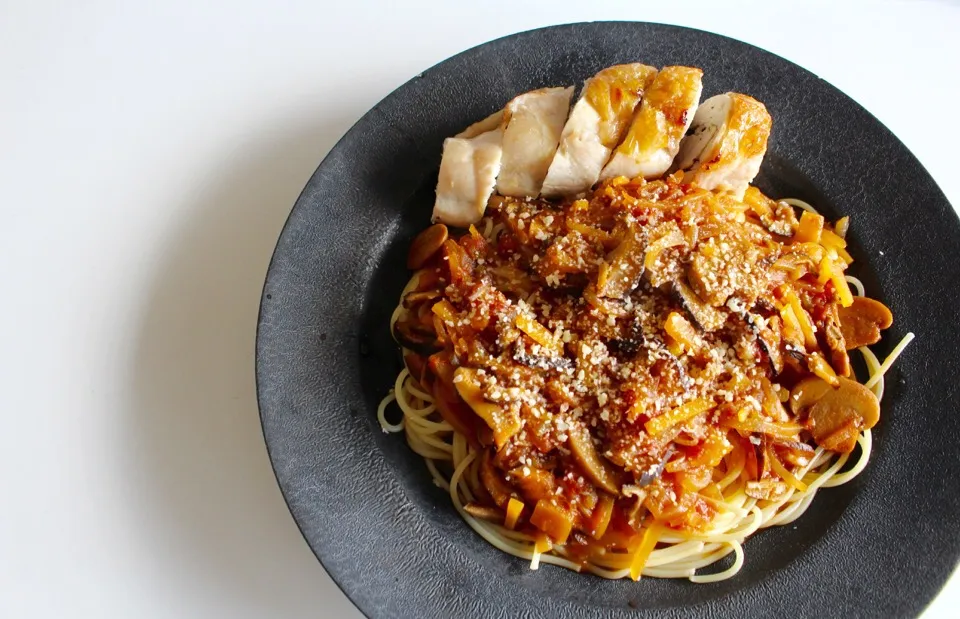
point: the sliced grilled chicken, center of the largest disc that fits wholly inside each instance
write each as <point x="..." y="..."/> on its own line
<point x="726" y="145"/>
<point x="596" y="125"/>
<point x="490" y="123"/>
<point x="658" y="126"/>
<point x="468" y="173"/>
<point x="532" y="124"/>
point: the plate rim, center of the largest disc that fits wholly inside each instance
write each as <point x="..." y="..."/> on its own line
<point x="344" y="587"/>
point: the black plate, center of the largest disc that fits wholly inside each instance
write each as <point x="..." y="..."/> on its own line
<point x="881" y="546"/>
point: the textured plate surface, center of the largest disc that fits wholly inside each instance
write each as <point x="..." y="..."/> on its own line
<point x="881" y="546"/>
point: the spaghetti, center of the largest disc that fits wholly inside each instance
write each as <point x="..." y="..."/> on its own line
<point x="732" y="461"/>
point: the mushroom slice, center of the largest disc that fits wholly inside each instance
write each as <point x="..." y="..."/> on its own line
<point x="835" y="415"/>
<point x="596" y="125"/>
<point x="414" y="336"/>
<point x="493" y="481"/>
<point x="532" y="125"/>
<point x="598" y="470"/>
<point x="419" y="297"/>
<point x="765" y="330"/>
<point x="621" y="270"/>
<point x="425" y="245"/>
<point x="726" y="144"/>
<point x="705" y="316"/>
<point x="795" y="453"/>
<point x="862" y="322"/>
<point x="836" y="343"/>
<point x="658" y="126"/>
<point x="484" y="512"/>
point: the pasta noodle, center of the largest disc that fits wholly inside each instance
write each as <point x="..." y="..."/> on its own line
<point x="454" y="463"/>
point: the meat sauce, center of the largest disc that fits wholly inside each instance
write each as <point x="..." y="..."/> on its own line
<point x="617" y="356"/>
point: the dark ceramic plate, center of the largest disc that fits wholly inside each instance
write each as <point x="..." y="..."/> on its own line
<point x="881" y="546"/>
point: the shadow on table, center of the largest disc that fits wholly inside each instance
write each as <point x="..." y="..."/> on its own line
<point x="203" y="483"/>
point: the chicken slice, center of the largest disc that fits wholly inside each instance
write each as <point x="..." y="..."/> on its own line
<point x="468" y="173"/>
<point x="490" y="123"/>
<point x="726" y="145"/>
<point x="596" y="125"/>
<point x="658" y="126"/>
<point x="532" y="124"/>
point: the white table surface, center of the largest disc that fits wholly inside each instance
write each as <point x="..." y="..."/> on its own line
<point x="149" y="153"/>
